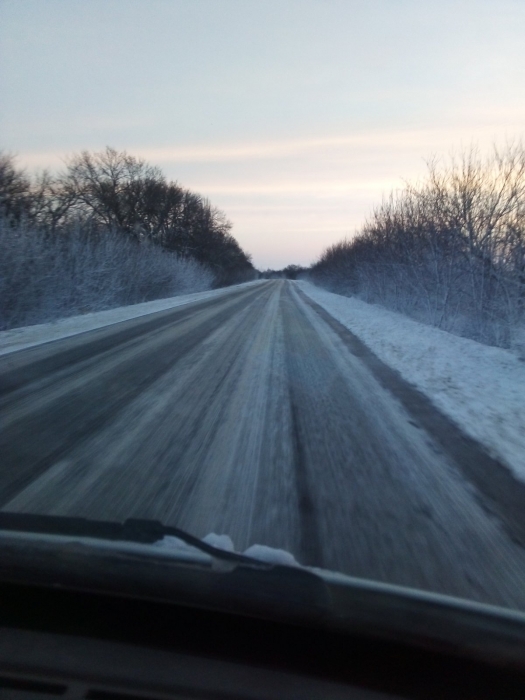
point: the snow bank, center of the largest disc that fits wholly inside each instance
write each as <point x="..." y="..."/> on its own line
<point x="19" y="338"/>
<point x="481" y="388"/>
<point x="270" y="555"/>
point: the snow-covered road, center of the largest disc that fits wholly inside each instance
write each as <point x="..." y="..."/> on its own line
<point x="255" y="414"/>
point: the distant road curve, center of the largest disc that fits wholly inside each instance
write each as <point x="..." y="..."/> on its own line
<point x="248" y="414"/>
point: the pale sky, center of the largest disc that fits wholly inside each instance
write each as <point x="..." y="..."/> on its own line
<point x="293" y="116"/>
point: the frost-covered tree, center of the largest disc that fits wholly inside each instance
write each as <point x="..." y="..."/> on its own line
<point x="449" y="250"/>
<point x="110" y="230"/>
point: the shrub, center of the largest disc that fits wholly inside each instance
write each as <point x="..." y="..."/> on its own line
<point x="45" y="275"/>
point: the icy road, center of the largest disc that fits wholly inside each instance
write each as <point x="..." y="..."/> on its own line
<point x="255" y="414"/>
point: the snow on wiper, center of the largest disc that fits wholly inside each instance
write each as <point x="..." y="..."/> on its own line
<point x="132" y="530"/>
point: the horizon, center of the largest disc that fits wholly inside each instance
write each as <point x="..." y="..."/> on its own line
<point x="294" y="120"/>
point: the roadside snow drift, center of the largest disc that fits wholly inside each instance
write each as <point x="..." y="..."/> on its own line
<point x="19" y="338"/>
<point x="481" y="388"/>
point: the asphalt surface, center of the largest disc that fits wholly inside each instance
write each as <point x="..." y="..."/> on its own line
<point x="249" y="414"/>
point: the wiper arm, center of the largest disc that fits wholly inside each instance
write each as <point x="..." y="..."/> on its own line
<point x="131" y="530"/>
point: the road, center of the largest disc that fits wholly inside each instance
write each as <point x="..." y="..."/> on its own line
<point x="248" y="414"/>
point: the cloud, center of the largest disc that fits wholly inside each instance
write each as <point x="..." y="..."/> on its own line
<point x="482" y="129"/>
<point x="320" y="190"/>
<point x="250" y="151"/>
<point x="485" y="128"/>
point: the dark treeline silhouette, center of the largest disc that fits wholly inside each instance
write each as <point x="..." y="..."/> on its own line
<point x="449" y="251"/>
<point x="291" y="272"/>
<point x="109" y="230"/>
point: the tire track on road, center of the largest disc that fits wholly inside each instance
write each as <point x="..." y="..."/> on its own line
<point x="28" y="447"/>
<point x="311" y="552"/>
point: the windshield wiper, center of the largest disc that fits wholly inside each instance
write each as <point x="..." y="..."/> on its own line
<point x="132" y="530"/>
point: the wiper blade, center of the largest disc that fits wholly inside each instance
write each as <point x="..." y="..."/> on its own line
<point x="132" y="530"/>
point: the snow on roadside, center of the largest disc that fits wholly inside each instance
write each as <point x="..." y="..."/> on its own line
<point x="27" y="336"/>
<point x="481" y="388"/>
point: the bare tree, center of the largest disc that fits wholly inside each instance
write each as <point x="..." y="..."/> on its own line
<point x="449" y="251"/>
<point x="110" y="188"/>
<point x="15" y="190"/>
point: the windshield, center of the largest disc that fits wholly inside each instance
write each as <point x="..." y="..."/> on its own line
<point x="262" y="279"/>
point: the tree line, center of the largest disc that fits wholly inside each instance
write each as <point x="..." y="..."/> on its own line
<point x="114" y="191"/>
<point x="110" y="222"/>
<point x="449" y="250"/>
<point x="290" y="272"/>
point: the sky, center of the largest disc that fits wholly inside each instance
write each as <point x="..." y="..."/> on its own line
<point x="295" y="117"/>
